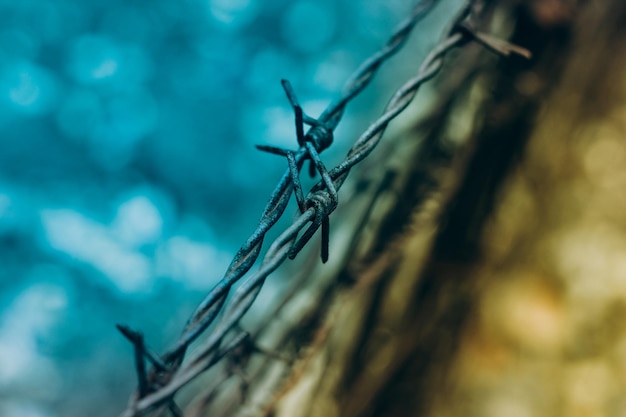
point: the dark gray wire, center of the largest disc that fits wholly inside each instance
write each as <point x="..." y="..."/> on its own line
<point x="320" y="204"/>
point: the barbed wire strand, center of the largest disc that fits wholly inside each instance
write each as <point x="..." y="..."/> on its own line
<point x="210" y="306"/>
<point x="168" y="374"/>
<point x="277" y="203"/>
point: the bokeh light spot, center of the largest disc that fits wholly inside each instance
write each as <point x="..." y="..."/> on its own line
<point x="138" y="221"/>
<point x="196" y="264"/>
<point x="232" y="13"/>
<point x="70" y="232"/>
<point x="94" y="58"/>
<point x="29" y="89"/>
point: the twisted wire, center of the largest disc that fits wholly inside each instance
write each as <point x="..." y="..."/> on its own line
<point x="208" y="309"/>
<point x="169" y="374"/>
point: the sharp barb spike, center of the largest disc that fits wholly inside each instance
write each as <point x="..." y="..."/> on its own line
<point x="133" y="337"/>
<point x="291" y="94"/>
<point x="136" y="339"/>
<point x="126" y="331"/>
<point x="500" y="46"/>
<point x="299" y="125"/>
<point x="140" y="366"/>
<point x="325" y="238"/>
<point x="272" y="149"/>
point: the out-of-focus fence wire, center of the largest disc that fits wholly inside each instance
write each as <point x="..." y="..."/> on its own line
<point x="168" y="372"/>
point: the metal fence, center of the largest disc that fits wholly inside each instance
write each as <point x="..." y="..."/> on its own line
<point x="168" y="372"/>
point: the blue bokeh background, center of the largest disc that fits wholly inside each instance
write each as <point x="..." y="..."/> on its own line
<point x="128" y="175"/>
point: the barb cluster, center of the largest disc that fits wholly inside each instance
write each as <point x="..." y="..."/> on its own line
<point x="318" y="138"/>
<point x="168" y="373"/>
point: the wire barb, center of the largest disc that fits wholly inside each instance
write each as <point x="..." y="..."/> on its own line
<point x="315" y="141"/>
<point x="133" y="337"/>
<point x="140" y="365"/>
<point x="499" y="46"/>
<point x="170" y="374"/>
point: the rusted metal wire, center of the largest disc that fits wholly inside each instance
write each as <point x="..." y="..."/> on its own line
<point x="168" y="373"/>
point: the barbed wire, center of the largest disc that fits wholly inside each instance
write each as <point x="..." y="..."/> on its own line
<point x="169" y="374"/>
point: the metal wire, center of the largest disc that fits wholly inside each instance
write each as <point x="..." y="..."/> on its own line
<point x="168" y="373"/>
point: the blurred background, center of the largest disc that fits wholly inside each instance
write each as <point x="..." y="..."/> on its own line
<point x="128" y="175"/>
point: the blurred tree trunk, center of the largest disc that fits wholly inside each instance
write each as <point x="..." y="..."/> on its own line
<point x="486" y="274"/>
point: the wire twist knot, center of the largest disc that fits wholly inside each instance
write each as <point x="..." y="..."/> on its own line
<point x="317" y="139"/>
<point x="324" y="203"/>
<point x="320" y="136"/>
<point x="321" y="199"/>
